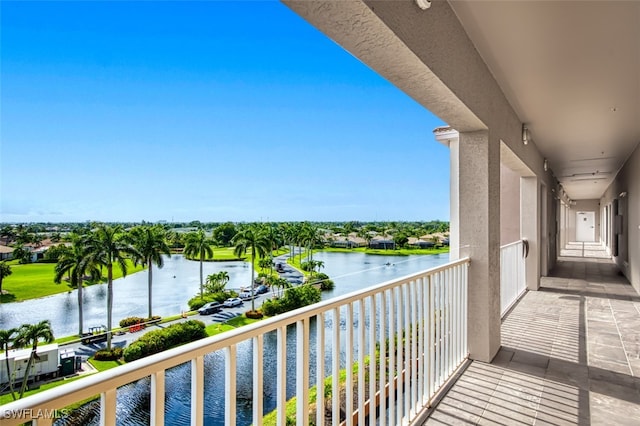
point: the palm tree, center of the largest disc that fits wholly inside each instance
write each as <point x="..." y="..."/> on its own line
<point x="76" y="263"/>
<point x="107" y="246"/>
<point x="198" y="245"/>
<point x="151" y="243"/>
<point x="22" y="254"/>
<point x="254" y="239"/>
<point x="5" y="271"/>
<point x="317" y="264"/>
<point x="217" y="281"/>
<point x="31" y="334"/>
<point x="6" y="338"/>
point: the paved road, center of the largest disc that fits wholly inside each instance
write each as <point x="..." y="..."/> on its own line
<point x="289" y="273"/>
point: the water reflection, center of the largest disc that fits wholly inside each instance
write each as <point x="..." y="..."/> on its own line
<point x="350" y="272"/>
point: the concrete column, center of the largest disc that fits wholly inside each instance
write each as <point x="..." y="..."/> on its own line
<point x="454" y="200"/>
<point x="530" y="228"/>
<point x="479" y="209"/>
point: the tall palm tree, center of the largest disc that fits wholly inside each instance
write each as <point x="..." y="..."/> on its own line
<point x="107" y="246"/>
<point x="151" y="243"/>
<point x="5" y="271"/>
<point x="6" y="338"/>
<point x="76" y="263"/>
<point x="31" y="334"/>
<point x="197" y="245"/>
<point x="251" y="238"/>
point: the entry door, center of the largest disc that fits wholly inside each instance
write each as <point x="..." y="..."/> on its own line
<point x="586" y="226"/>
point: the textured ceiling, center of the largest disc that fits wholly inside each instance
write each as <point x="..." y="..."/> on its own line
<point x="571" y="71"/>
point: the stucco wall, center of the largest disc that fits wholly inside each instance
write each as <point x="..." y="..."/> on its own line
<point x="628" y="180"/>
<point x="509" y="206"/>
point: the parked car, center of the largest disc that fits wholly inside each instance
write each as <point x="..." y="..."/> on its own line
<point x="245" y="295"/>
<point x="234" y="301"/>
<point x="262" y="289"/>
<point x="210" y="308"/>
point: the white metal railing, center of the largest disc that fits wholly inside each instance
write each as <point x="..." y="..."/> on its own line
<point x="512" y="274"/>
<point x="410" y="333"/>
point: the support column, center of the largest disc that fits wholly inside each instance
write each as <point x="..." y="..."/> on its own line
<point x="454" y="200"/>
<point x="530" y="210"/>
<point x="479" y="208"/>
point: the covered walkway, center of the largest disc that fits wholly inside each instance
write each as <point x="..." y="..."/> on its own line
<point x="570" y="355"/>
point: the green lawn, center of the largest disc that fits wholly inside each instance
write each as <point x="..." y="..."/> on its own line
<point x="6" y="398"/>
<point x="105" y="365"/>
<point x="224" y="254"/>
<point x="33" y="280"/>
<point x="213" y="329"/>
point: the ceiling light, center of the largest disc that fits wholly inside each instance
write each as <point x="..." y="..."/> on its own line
<point x="525" y="134"/>
<point x="423" y="4"/>
<point x="623" y="194"/>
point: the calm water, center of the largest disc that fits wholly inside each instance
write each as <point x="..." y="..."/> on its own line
<point x="173" y="286"/>
<point x="350" y="272"/>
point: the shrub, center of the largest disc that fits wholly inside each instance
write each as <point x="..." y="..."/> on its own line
<point x="324" y="281"/>
<point x="129" y="321"/>
<point x="108" y="355"/>
<point x="294" y="298"/>
<point x="253" y="314"/>
<point x="160" y="340"/>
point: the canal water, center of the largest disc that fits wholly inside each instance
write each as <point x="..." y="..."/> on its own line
<point x="349" y="271"/>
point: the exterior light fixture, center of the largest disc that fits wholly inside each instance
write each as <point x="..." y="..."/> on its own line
<point x="545" y="165"/>
<point x="623" y="194"/>
<point x="525" y="134"/>
<point x="423" y="4"/>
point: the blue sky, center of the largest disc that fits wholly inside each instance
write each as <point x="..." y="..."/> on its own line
<point x="208" y="111"/>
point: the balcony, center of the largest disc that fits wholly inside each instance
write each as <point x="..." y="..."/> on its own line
<point x="570" y="355"/>
<point x="402" y="340"/>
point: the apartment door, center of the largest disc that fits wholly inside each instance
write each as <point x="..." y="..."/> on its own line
<point x="586" y="226"/>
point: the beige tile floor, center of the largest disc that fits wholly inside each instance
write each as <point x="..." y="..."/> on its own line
<point x="570" y="355"/>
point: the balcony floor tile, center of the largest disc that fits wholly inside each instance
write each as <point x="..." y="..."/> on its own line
<point x="570" y="355"/>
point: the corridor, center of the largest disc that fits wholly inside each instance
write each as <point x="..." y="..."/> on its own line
<point x="570" y="355"/>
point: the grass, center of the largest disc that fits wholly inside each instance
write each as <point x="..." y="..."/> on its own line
<point x="270" y="419"/>
<point x="34" y="280"/>
<point x="6" y="398"/>
<point x="105" y="365"/>
<point x="241" y="320"/>
<point x="221" y="254"/>
<point x="214" y="329"/>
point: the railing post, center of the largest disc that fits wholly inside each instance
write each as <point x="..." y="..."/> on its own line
<point x="383" y="357"/>
<point x="282" y="376"/>
<point x="361" y="364"/>
<point x="108" y="407"/>
<point x="372" y="360"/>
<point x="230" y="385"/>
<point x="197" y="391"/>
<point x="320" y="369"/>
<point x="157" y="398"/>
<point x="302" y="372"/>
<point x="258" y="379"/>
<point x="335" y="370"/>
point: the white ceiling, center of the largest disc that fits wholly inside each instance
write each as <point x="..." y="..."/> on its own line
<point x="571" y="71"/>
